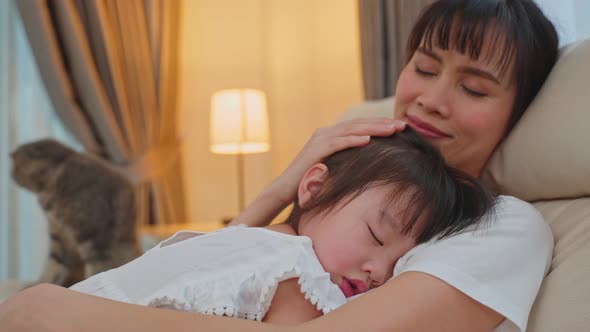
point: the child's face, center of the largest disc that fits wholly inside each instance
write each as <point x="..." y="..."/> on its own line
<point x="359" y="243"/>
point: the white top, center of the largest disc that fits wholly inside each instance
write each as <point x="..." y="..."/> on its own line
<point x="233" y="272"/>
<point x="500" y="265"/>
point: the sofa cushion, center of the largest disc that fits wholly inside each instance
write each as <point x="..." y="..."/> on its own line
<point x="547" y="155"/>
<point x="546" y="159"/>
<point x="563" y="303"/>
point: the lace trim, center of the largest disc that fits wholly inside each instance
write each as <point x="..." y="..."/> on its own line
<point x="226" y="310"/>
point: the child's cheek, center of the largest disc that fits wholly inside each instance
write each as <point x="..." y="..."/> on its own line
<point x="334" y="259"/>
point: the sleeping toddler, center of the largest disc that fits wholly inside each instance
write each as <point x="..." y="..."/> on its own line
<point x="355" y="215"/>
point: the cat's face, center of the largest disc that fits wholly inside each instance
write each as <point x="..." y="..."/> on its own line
<point x="33" y="164"/>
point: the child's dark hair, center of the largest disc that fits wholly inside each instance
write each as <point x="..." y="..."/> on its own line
<point x="449" y="200"/>
<point x="519" y="30"/>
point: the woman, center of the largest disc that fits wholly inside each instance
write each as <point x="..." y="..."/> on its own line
<point x="473" y="67"/>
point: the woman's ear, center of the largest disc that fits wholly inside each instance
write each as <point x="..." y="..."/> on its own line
<point x="311" y="184"/>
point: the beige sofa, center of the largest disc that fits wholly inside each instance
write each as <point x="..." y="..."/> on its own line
<point x="546" y="160"/>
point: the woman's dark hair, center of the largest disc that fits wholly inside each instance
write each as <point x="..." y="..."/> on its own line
<point x="447" y="199"/>
<point x="519" y="30"/>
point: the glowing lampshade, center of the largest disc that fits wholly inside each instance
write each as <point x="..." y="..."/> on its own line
<point x="239" y="122"/>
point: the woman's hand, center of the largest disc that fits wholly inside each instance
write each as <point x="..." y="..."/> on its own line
<point x="324" y="142"/>
<point x="328" y="140"/>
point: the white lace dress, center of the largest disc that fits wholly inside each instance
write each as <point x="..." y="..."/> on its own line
<point x="231" y="272"/>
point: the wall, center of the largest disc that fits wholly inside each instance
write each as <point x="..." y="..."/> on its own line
<point x="570" y="18"/>
<point x="303" y="53"/>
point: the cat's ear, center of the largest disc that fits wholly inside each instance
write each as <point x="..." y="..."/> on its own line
<point x="54" y="150"/>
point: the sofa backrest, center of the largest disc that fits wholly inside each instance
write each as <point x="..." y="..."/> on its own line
<point x="547" y="155"/>
<point x="546" y="160"/>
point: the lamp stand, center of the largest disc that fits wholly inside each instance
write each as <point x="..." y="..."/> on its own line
<point x="241" y="187"/>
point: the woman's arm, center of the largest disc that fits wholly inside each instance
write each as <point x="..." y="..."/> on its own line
<point x="50" y="308"/>
<point x="414" y="301"/>
<point x="324" y="142"/>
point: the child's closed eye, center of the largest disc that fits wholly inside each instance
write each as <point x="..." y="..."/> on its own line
<point x="374" y="236"/>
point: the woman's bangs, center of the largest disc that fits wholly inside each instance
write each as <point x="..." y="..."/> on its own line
<point x="479" y="32"/>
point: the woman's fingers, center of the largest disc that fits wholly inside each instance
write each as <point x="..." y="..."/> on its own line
<point x="341" y="143"/>
<point x="368" y="127"/>
<point x="347" y="134"/>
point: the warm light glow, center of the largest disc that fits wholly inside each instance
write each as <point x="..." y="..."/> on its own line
<point x="239" y="122"/>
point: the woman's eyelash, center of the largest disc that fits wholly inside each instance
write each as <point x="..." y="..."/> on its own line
<point x="467" y="90"/>
<point x="374" y="236"/>
<point x="473" y="93"/>
<point x="422" y="72"/>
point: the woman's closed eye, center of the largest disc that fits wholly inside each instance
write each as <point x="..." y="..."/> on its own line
<point x="379" y="242"/>
<point x="423" y="72"/>
<point x="472" y="92"/>
<point x="429" y="73"/>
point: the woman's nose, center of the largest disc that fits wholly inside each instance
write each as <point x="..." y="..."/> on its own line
<point x="435" y="98"/>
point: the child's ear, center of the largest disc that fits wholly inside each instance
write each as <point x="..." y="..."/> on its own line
<point x="311" y="184"/>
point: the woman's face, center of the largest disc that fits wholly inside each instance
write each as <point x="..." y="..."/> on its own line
<point x="460" y="105"/>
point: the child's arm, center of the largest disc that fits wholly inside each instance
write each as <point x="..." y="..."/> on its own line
<point x="289" y="306"/>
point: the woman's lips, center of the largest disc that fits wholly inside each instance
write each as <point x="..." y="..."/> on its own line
<point x="425" y="129"/>
<point x="352" y="287"/>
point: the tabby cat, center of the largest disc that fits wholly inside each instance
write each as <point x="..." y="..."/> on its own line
<point x="90" y="209"/>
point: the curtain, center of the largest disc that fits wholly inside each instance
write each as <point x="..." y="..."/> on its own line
<point x="25" y="115"/>
<point x="384" y="28"/>
<point x="110" y="69"/>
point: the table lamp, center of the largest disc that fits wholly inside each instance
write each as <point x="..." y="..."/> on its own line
<point x="239" y="126"/>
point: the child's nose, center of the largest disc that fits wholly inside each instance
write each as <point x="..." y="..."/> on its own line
<point x="378" y="277"/>
<point x="382" y="272"/>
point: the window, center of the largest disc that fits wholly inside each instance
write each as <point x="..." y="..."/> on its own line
<point x="570" y="18"/>
<point x="25" y="115"/>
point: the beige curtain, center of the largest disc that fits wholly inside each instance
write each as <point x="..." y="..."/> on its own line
<point x="384" y="29"/>
<point x="110" y="68"/>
